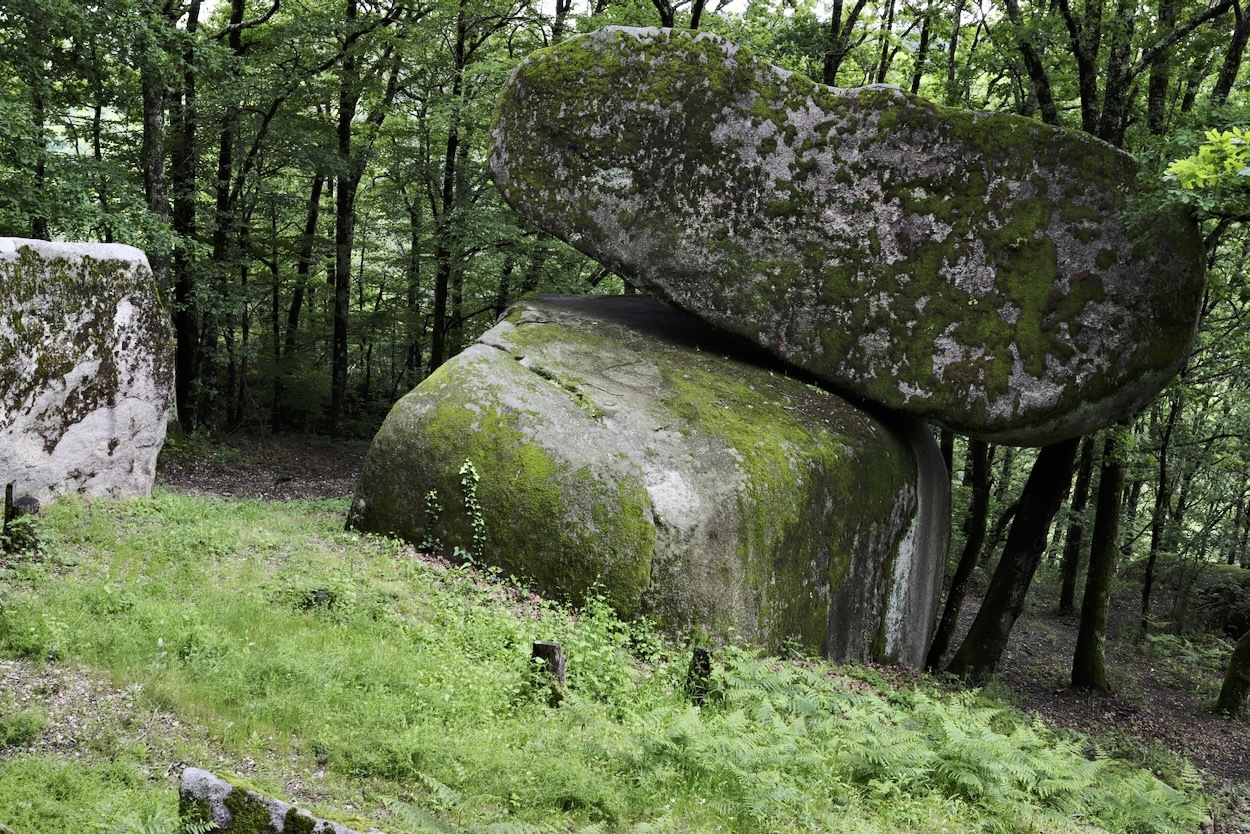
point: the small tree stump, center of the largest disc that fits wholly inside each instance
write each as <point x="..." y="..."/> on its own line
<point x="699" y="675"/>
<point x="551" y="657"/>
<point x="26" y="505"/>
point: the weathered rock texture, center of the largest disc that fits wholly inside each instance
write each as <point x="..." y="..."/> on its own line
<point x="86" y="369"/>
<point x="240" y="809"/>
<point x="618" y="445"/>
<point x="973" y="269"/>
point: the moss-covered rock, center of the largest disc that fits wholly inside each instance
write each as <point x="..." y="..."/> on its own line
<point x="620" y="445"/>
<point x="86" y="369"/>
<point x="237" y="807"/>
<point x="974" y="269"/>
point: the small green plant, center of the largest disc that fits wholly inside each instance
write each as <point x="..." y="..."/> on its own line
<point x="469" y="481"/>
<point x="20" y="728"/>
<point x="20" y="534"/>
<point x="155" y="821"/>
<point x="433" y="510"/>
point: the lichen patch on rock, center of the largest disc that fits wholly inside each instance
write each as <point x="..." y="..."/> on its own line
<point x="977" y="270"/>
<point x="86" y="369"/>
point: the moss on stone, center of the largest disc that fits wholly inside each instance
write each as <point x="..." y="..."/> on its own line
<point x="734" y="167"/>
<point x="251" y="814"/>
<point x="61" y="313"/>
<point x="792" y="483"/>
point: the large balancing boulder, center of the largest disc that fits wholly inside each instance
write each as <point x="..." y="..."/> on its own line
<point x="615" y="444"/>
<point x="974" y="269"/>
<point x="86" y="369"/>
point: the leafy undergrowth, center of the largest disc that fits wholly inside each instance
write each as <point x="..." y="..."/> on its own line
<point x="346" y="674"/>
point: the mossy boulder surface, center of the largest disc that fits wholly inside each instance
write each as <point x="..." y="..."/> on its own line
<point x="973" y="269"/>
<point x="239" y="808"/>
<point x="626" y="449"/>
<point x="86" y="369"/>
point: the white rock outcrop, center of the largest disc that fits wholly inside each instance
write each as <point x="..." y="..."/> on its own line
<point x="86" y="369"/>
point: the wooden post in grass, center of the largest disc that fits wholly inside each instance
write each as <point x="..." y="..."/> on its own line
<point x="550" y="657"/>
<point x="699" y="674"/>
<point x="6" y="518"/>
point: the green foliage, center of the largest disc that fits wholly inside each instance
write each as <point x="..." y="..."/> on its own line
<point x="431" y="543"/>
<point x="40" y="794"/>
<point x="473" y="508"/>
<point x="1215" y="179"/>
<point x="414" y="682"/>
<point x="158" y="820"/>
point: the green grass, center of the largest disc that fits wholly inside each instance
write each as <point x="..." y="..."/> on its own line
<point x="288" y="647"/>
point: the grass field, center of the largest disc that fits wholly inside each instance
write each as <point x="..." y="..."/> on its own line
<point x="349" y="675"/>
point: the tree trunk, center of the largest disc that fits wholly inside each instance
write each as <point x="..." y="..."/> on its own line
<point x="974" y="532"/>
<point x="155" y="184"/>
<point x="443" y="249"/>
<point x="1161" y="512"/>
<point x="1089" y="664"/>
<point x="1072" y="545"/>
<point x="224" y="222"/>
<point x="883" y="63"/>
<point x="946" y="444"/>
<point x="1236" y="688"/>
<point x="1039" y="79"/>
<point x="1232" y="58"/>
<point x="839" y="39"/>
<point x="1160" y="75"/>
<point x="983" y="646"/>
<point x="954" y="91"/>
<point x="922" y="53"/>
<point x="1007" y="515"/>
<point x="183" y="152"/>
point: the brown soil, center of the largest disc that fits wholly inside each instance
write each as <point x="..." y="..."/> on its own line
<point x="1155" y="715"/>
<point x="274" y="468"/>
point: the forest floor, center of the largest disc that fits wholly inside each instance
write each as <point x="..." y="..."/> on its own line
<point x="1155" y="715"/>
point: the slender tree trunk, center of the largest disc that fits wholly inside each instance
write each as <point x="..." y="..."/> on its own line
<point x="183" y="153"/>
<point x="696" y="13"/>
<point x="1117" y="89"/>
<point x="414" y="332"/>
<point x="1232" y="57"/>
<point x="275" y="318"/>
<point x="954" y="91"/>
<point x="344" y="223"/>
<point x="922" y="54"/>
<point x="155" y="183"/>
<point x="1160" y="75"/>
<point x="303" y="265"/>
<point x="1236" y="687"/>
<point x="1089" y="663"/>
<point x="946" y="445"/>
<point x="1161" y="512"/>
<point x="223" y="224"/>
<point x="983" y="646"/>
<point x="839" y="39"/>
<point x="39" y="218"/>
<point x="558" y="22"/>
<point x="443" y="248"/>
<point x="1039" y="79"/>
<point x="1008" y="513"/>
<point x="974" y="532"/>
<point x="1072" y="546"/>
<point x="1238" y="516"/>
<point x="883" y="63"/>
<point x="245" y="329"/>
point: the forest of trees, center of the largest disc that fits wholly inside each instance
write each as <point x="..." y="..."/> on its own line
<point x="309" y="182"/>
